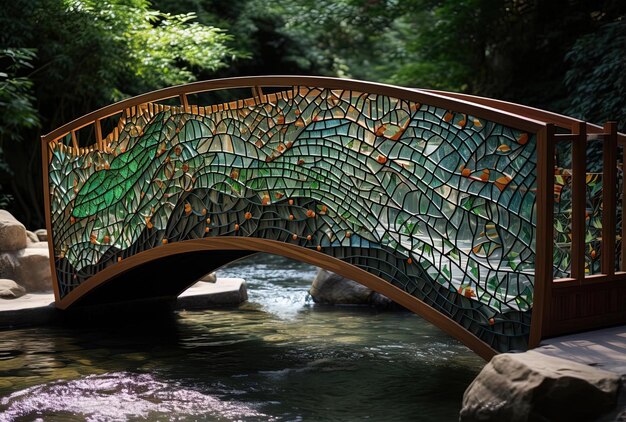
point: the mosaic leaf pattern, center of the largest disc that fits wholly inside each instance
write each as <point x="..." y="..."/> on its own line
<point x="436" y="202"/>
<point x="593" y="212"/>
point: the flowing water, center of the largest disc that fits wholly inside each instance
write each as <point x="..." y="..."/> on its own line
<point x="278" y="358"/>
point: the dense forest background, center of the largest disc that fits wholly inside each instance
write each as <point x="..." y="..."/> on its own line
<point x="60" y="59"/>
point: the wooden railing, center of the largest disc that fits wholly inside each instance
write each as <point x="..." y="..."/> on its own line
<point x="257" y="83"/>
<point x="580" y="302"/>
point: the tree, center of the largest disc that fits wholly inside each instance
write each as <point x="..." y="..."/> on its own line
<point x="91" y="53"/>
<point x="16" y="105"/>
<point x="597" y="75"/>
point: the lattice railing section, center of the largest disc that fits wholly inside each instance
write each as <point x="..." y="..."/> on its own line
<point x="435" y="202"/>
<point x="593" y="210"/>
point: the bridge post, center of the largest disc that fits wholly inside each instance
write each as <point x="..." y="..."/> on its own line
<point x="544" y="243"/>
<point x="579" y="200"/>
<point x="609" y="184"/>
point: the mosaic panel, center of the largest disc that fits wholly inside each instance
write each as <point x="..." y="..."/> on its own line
<point x="438" y="203"/>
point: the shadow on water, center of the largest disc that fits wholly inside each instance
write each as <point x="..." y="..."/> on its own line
<point x="275" y="358"/>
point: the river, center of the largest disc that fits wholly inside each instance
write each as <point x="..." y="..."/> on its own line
<point x="277" y="358"/>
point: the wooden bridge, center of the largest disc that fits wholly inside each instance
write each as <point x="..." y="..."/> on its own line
<point x="499" y="223"/>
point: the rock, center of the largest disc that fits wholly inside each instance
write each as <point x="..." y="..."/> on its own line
<point x="533" y="386"/>
<point x="225" y="292"/>
<point x="42" y="234"/>
<point x="33" y="270"/>
<point x="382" y="302"/>
<point x="9" y="289"/>
<point x="330" y="288"/>
<point x="12" y="233"/>
<point x="31" y="237"/>
<point x="209" y="278"/>
<point x="40" y="245"/>
<point x="8" y="264"/>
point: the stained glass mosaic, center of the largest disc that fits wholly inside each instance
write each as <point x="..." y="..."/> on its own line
<point x="593" y="210"/>
<point x="438" y="203"/>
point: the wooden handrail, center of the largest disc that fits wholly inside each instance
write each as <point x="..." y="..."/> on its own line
<point x="256" y="82"/>
<point x="559" y="120"/>
<point x="579" y="200"/>
<point x="609" y="185"/>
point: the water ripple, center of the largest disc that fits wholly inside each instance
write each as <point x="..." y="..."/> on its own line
<point x="119" y="396"/>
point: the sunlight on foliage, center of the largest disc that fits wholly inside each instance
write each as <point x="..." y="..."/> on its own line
<point x="158" y="49"/>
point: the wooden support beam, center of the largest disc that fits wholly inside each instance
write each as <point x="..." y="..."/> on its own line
<point x="74" y="141"/>
<point x="609" y="187"/>
<point x="257" y="92"/>
<point x="579" y="199"/>
<point x="184" y="101"/>
<point x="623" y="266"/>
<point x="544" y="236"/>
<point x="98" y="130"/>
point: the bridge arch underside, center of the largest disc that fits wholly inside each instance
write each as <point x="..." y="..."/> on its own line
<point x="167" y="270"/>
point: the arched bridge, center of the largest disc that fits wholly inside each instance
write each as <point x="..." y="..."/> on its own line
<point x="486" y="218"/>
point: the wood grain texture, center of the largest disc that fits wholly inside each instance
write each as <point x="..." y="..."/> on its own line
<point x="544" y="243"/>
<point x="579" y="199"/>
<point x="609" y="187"/>
<point x="48" y="216"/>
<point x="585" y="307"/>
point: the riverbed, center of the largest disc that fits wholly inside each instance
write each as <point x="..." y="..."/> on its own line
<point x="278" y="357"/>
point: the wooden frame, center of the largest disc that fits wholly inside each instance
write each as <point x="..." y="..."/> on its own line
<point x="581" y="302"/>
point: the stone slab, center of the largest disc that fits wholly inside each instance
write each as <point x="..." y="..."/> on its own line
<point x="224" y="292"/>
<point x="29" y="310"/>
<point x="9" y="289"/>
<point x="38" y="308"/>
<point x="605" y="349"/>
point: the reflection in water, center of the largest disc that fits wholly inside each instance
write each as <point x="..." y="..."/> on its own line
<point x="275" y="358"/>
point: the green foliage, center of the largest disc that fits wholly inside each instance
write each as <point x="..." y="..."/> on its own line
<point x="101" y="51"/>
<point x="597" y="76"/>
<point x="16" y="97"/>
<point x="89" y="53"/>
<point x="16" y="105"/>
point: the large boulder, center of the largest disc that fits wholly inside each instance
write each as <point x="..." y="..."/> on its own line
<point x="8" y="264"/>
<point x="12" y="233"/>
<point x="33" y="269"/>
<point x="9" y="289"/>
<point x="332" y="289"/>
<point x="533" y="386"/>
